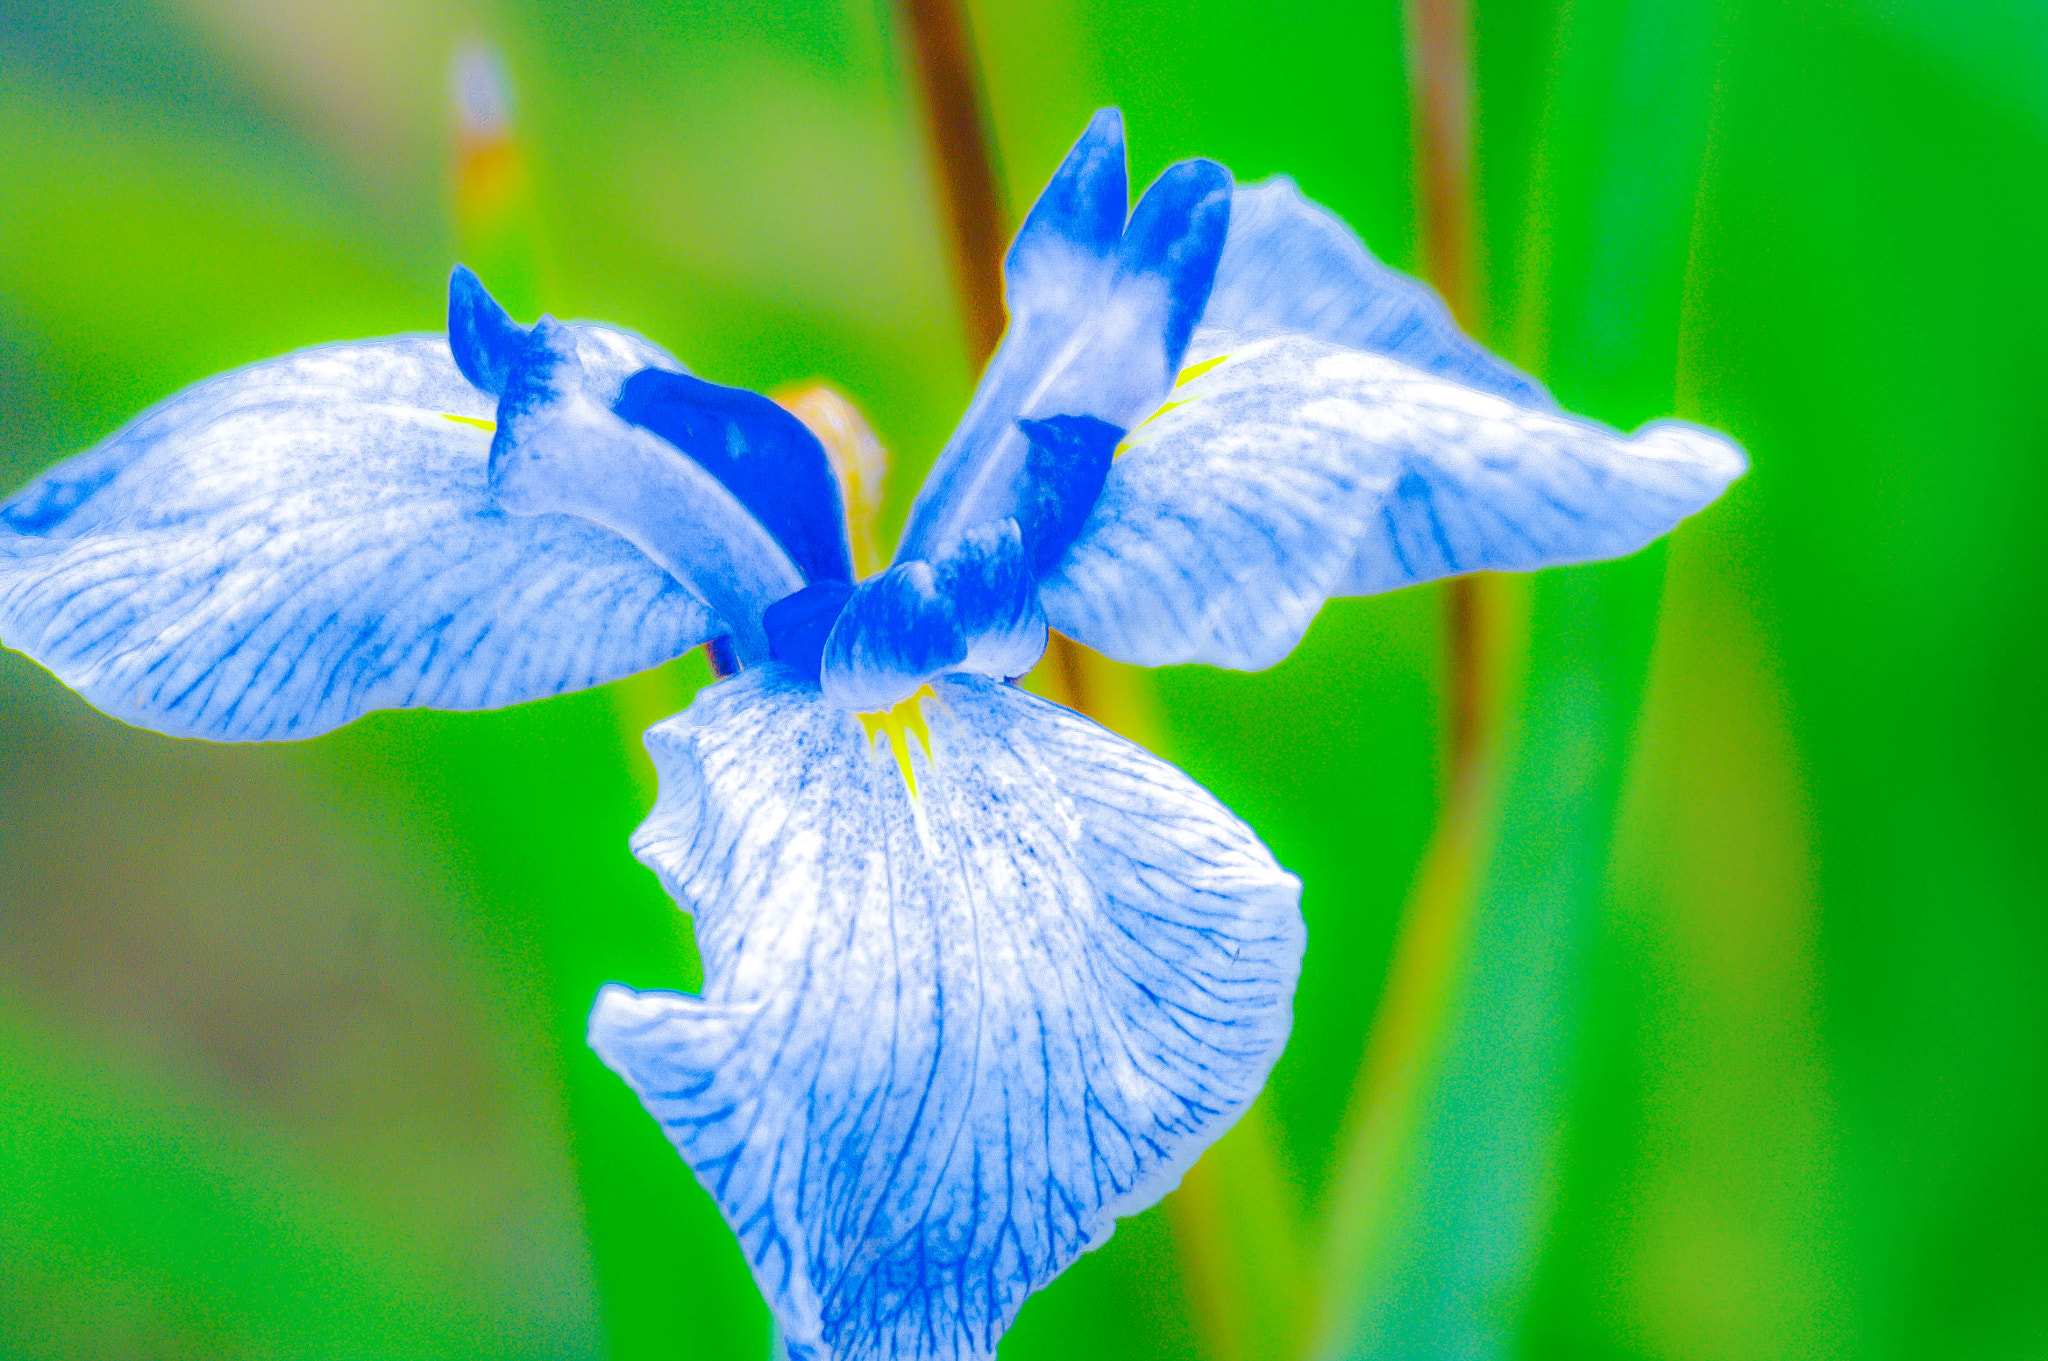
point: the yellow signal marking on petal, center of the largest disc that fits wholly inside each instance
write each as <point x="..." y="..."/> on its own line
<point x="469" y="420"/>
<point x="1131" y="441"/>
<point x="905" y="718"/>
<point x="1187" y="375"/>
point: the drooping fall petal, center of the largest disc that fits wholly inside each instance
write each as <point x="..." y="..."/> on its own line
<point x="945" y="1038"/>
<point x="272" y="552"/>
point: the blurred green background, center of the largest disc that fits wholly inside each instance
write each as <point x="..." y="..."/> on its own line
<point x="1735" y="1043"/>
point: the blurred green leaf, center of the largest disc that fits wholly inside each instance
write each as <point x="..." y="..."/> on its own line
<point x="1444" y="1255"/>
<point x="140" y="1221"/>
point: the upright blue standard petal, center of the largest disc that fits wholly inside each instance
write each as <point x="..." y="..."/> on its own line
<point x="944" y="1039"/>
<point x="1097" y="327"/>
<point x="799" y="624"/>
<point x="487" y="344"/>
<point x="1071" y="233"/>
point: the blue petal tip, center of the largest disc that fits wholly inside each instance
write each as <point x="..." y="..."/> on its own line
<point x="1087" y="199"/>
<point x="482" y="336"/>
<point x="1177" y="232"/>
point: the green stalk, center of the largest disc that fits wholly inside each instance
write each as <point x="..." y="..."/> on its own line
<point x="138" y="1211"/>
<point x="1461" y="1109"/>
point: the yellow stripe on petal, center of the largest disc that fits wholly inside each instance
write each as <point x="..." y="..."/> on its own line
<point x="469" y="420"/>
<point x="1132" y="440"/>
<point x="1187" y="375"/>
<point x="899" y="723"/>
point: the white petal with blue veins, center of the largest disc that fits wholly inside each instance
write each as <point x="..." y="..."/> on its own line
<point x="275" y="551"/>
<point x="944" y="1040"/>
<point x="1292" y="267"/>
<point x="1295" y="471"/>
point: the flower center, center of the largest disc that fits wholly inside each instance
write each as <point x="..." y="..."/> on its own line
<point x="899" y="721"/>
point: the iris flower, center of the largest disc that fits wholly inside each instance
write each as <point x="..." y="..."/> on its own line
<point x="967" y="1001"/>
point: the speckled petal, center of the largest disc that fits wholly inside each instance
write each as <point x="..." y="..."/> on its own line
<point x="270" y="553"/>
<point x="944" y="1039"/>
<point x="1295" y="471"/>
<point x="1292" y="267"/>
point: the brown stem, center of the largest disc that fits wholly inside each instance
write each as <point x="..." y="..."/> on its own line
<point x="1440" y="54"/>
<point x="1393" y="1082"/>
<point x="1440" y="57"/>
<point x="947" y="74"/>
